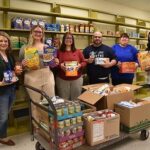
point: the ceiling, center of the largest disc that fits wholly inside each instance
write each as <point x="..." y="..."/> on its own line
<point x="137" y="4"/>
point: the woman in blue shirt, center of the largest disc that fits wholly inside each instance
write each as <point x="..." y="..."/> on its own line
<point x="124" y="53"/>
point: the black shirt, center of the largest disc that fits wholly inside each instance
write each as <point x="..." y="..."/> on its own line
<point x="103" y="51"/>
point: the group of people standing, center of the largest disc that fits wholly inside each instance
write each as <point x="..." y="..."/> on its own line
<point x="67" y="87"/>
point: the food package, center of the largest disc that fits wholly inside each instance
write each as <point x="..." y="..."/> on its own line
<point x="32" y="58"/>
<point x="101" y="61"/>
<point x="71" y="68"/>
<point x="144" y="60"/>
<point x="127" y="67"/>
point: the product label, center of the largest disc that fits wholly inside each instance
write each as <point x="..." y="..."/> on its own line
<point x="98" y="131"/>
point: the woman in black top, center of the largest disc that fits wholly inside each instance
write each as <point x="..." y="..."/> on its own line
<point x="7" y="85"/>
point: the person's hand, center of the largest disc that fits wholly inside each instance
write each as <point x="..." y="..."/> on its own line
<point x="63" y="67"/>
<point x="147" y="68"/>
<point x="119" y="64"/>
<point x="78" y="66"/>
<point x="90" y="60"/>
<point x="56" y="60"/>
<point x="24" y="63"/>
<point x="106" y="64"/>
<point x="18" y="68"/>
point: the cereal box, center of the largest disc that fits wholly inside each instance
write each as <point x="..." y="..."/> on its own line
<point x="32" y="58"/>
<point x="127" y="67"/>
<point x="144" y="60"/>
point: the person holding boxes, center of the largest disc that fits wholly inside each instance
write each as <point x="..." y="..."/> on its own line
<point x="100" y="59"/>
<point x="8" y="80"/>
<point x="126" y="55"/>
<point x="71" y="62"/>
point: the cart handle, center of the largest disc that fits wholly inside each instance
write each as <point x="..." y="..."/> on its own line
<point x="42" y="93"/>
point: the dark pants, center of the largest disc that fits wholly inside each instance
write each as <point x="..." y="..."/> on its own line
<point x="116" y="81"/>
<point x="7" y="97"/>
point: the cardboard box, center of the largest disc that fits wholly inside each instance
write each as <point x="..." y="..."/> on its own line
<point x="131" y="117"/>
<point x="144" y="60"/>
<point x="106" y="102"/>
<point x="99" y="131"/>
<point x="127" y="67"/>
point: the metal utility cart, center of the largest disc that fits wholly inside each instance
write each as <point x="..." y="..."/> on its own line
<point x="47" y="139"/>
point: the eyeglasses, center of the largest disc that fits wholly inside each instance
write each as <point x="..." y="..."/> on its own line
<point x="38" y="32"/>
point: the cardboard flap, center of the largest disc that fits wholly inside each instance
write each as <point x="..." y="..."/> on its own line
<point x="132" y="86"/>
<point x="92" y="86"/>
<point x="90" y="97"/>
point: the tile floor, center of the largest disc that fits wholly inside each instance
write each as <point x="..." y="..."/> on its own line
<point x="23" y="142"/>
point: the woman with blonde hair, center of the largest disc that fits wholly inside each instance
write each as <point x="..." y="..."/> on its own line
<point x="36" y="73"/>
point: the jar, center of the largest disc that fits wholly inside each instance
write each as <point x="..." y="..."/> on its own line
<point x="67" y="28"/>
<point x="87" y="28"/>
<point x="91" y="28"/>
<point x="81" y="28"/>
<point x="76" y="28"/>
<point x="71" y="28"/>
<point x="62" y="28"/>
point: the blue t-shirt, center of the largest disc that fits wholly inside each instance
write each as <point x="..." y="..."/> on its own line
<point x="124" y="54"/>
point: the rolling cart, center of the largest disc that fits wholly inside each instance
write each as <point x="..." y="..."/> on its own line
<point x="48" y="139"/>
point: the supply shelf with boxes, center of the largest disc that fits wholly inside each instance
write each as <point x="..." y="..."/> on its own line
<point x="61" y="124"/>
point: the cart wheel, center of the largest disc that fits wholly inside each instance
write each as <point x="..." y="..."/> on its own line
<point x="144" y="134"/>
<point x="38" y="146"/>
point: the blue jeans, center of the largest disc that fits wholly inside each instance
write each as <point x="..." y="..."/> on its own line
<point x="7" y="96"/>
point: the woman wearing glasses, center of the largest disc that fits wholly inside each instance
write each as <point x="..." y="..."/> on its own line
<point x="36" y="73"/>
<point x="71" y="62"/>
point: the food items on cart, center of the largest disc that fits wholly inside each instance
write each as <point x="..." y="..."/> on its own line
<point x="109" y="89"/>
<point x="130" y="104"/>
<point x="67" y="122"/>
<point x="102" y="114"/>
<point x="79" y="119"/>
<point x="73" y="121"/>
<point x="61" y="124"/>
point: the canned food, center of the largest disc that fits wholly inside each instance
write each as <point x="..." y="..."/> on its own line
<point x="73" y="121"/>
<point x="51" y="120"/>
<point x="67" y="122"/>
<point x="77" y="107"/>
<point x="67" y="132"/>
<point x="74" y="130"/>
<point x="71" y="109"/>
<point x="61" y="124"/>
<point x="65" y="110"/>
<point x="61" y="133"/>
<point x="79" y="119"/>
<point x="59" y="111"/>
<point x="79" y="128"/>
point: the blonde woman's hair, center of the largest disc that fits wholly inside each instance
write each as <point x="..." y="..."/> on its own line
<point x="9" y="42"/>
<point x="31" y="40"/>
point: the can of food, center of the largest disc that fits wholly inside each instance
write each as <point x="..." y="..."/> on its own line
<point x="59" y="111"/>
<point x="65" y="109"/>
<point x="67" y="122"/>
<point x="67" y="132"/>
<point x="74" y="130"/>
<point x="73" y="121"/>
<point x="61" y="133"/>
<point x="71" y="109"/>
<point x="79" y="119"/>
<point x="77" y="107"/>
<point x="79" y="128"/>
<point x="61" y="124"/>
